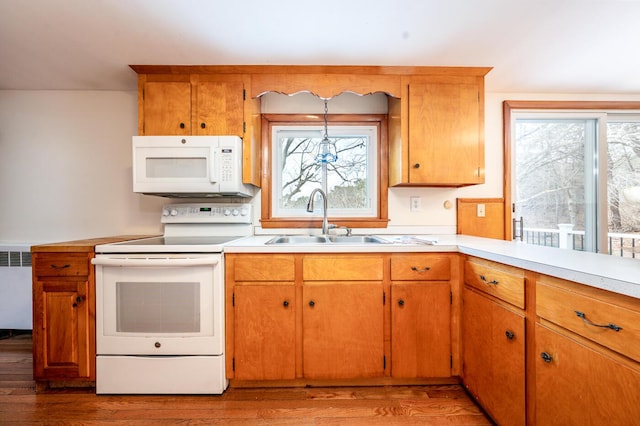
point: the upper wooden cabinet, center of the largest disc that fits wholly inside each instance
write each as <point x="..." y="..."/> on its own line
<point x="436" y="114"/>
<point x="436" y="131"/>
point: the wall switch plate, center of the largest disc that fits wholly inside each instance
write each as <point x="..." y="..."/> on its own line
<point x="416" y="204"/>
<point x="481" y="210"/>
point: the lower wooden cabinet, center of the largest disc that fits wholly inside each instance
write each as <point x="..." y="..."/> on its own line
<point x="579" y="384"/>
<point x="265" y="325"/>
<point x="421" y="329"/>
<point x="342" y="330"/>
<point x="64" y="317"/>
<point x="338" y="318"/>
<point x="494" y="357"/>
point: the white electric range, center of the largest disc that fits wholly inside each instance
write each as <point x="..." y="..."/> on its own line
<point x="160" y="303"/>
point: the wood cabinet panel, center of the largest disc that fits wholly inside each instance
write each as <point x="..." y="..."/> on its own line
<point x="343" y="330"/>
<point x="218" y="106"/>
<point x="416" y="267"/>
<point x="444" y="122"/>
<point x="265" y="325"/>
<point x="504" y="282"/>
<point x="580" y="385"/>
<point x="61" y="265"/>
<point x="268" y="267"/>
<point x="600" y="321"/>
<point x="166" y="108"/>
<point x="494" y="357"/>
<point x="342" y="268"/>
<point x="420" y="329"/>
<point x="63" y="335"/>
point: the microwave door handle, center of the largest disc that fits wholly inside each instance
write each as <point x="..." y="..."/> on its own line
<point x="214" y="167"/>
<point x="198" y="261"/>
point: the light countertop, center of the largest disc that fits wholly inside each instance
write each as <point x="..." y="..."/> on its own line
<point x="612" y="273"/>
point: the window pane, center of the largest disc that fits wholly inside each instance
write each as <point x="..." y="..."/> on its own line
<point x="623" y="186"/>
<point x="550" y="179"/>
<point x="350" y="182"/>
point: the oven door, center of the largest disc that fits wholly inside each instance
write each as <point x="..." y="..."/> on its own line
<point x="159" y="304"/>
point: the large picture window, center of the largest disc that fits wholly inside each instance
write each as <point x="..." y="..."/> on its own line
<point x="575" y="178"/>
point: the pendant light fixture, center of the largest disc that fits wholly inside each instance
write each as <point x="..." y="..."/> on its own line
<point x="327" y="152"/>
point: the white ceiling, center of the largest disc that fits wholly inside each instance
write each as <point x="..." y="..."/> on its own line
<point x="561" y="46"/>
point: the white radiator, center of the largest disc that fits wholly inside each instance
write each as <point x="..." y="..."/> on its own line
<point x="15" y="287"/>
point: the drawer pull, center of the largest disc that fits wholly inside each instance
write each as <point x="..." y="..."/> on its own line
<point x="546" y="357"/>
<point x="312" y="303"/>
<point x="54" y="266"/>
<point x="420" y="270"/>
<point x="484" y="279"/>
<point x="401" y="302"/>
<point x="610" y="325"/>
<point x="509" y="334"/>
<point x="285" y="303"/>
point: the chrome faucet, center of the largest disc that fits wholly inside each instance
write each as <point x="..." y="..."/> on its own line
<point x="325" y="220"/>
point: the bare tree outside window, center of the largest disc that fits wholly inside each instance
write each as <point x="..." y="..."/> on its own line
<point x="345" y="180"/>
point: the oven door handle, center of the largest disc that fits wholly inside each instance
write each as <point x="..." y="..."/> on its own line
<point x="195" y="261"/>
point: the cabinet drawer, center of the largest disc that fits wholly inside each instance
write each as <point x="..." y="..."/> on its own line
<point x="420" y="267"/>
<point x="591" y="318"/>
<point x="342" y="268"/>
<point x="61" y="264"/>
<point x="501" y="281"/>
<point x="268" y="267"/>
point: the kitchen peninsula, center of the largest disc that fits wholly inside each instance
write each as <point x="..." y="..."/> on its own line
<point x="530" y="331"/>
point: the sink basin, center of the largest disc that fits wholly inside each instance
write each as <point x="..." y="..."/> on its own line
<point x="298" y="239"/>
<point x="331" y="239"/>
<point x="357" y="239"/>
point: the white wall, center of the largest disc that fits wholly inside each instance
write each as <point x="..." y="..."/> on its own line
<point x="65" y="167"/>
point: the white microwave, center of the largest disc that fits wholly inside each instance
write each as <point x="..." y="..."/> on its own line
<point x="189" y="166"/>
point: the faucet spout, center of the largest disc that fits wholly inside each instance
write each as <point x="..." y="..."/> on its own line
<point x="325" y="220"/>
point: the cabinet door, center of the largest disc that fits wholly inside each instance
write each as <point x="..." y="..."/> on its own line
<point x="579" y="385"/>
<point x="219" y="107"/>
<point x="264" y="332"/>
<point x="167" y="108"/>
<point x="63" y="336"/>
<point x="445" y="140"/>
<point x="420" y="329"/>
<point x="343" y="330"/>
<point x="493" y="357"/>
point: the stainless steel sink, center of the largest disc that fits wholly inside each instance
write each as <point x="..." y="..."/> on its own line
<point x="298" y="239"/>
<point x="357" y="239"/>
<point x="330" y="239"/>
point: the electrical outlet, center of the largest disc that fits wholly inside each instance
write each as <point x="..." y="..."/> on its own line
<point x="416" y="204"/>
<point x="481" y="210"/>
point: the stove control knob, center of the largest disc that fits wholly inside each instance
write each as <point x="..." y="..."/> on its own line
<point x="235" y="212"/>
<point x="227" y="212"/>
<point x="174" y="212"/>
<point x="244" y="212"/>
<point x="165" y="212"/>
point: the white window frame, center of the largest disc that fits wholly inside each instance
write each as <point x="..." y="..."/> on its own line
<point x="370" y="131"/>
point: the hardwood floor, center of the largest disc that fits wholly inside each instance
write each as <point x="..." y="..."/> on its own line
<point x="383" y="405"/>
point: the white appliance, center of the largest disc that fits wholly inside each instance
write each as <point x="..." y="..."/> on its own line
<point x="160" y="304"/>
<point x="189" y="166"/>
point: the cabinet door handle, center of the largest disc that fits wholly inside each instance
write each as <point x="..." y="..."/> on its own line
<point x="546" y="357"/>
<point x="312" y="303"/>
<point x="612" y="326"/>
<point x="182" y="125"/>
<point x="509" y="334"/>
<point x="401" y="302"/>
<point x="416" y="166"/>
<point x="54" y="266"/>
<point x="78" y="300"/>
<point x="285" y="303"/>
<point x="202" y="125"/>
<point x="420" y="270"/>
<point x="484" y="280"/>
